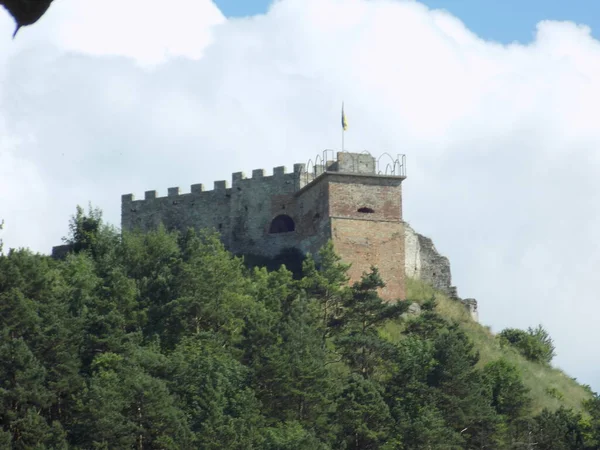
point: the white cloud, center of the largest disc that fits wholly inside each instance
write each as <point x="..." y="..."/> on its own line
<point x="501" y="141"/>
<point x="149" y="31"/>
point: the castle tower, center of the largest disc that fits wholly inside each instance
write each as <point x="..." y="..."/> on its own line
<point x="363" y="217"/>
<point x="348" y="199"/>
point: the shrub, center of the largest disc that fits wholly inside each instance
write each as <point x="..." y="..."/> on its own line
<point x="534" y="344"/>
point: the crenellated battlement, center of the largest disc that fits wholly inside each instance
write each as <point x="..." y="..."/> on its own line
<point x="279" y="173"/>
<point x="303" y="174"/>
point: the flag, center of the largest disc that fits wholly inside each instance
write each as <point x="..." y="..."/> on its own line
<point x="344" y="122"/>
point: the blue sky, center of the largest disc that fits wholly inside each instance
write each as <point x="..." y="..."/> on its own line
<point x="499" y="20"/>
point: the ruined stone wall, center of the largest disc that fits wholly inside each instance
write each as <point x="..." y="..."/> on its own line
<point x="423" y="262"/>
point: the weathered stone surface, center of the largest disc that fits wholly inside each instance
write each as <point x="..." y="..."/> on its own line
<point x="471" y="305"/>
<point x="61" y="251"/>
<point x="423" y="262"/>
<point x="413" y="310"/>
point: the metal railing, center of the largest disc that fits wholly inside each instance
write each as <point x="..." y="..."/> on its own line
<point x="386" y="164"/>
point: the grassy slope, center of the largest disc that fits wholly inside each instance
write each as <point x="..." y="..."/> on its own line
<point x="540" y="379"/>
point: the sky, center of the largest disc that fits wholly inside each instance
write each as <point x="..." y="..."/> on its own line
<point x="503" y="21"/>
<point x="495" y="111"/>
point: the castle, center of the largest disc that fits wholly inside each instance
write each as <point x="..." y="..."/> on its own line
<point x="348" y="198"/>
<point x="354" y="199"/>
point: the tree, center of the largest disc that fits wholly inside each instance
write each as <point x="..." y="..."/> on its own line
<point x="591" y="427"/>
<point x="534" y="344"/>
<point x="210" y="291"/>
<point x="291" y="436"/>
<point x="212" y="387"/>
<point x="83" y="229"/>
<point x="23" y="394"/>
<point x="356" y="325"/>
<point x="509" y="394"/>
<point x="144" y="273"/>
<point x="289" y="373"/>
<point x="364" y="418"/>
<point x="558" y="430"/>
<point x="327" y="283"/>
<point x="127" y="405"/>
<point x="546" y="343"/>
<point x="413" y="403"/>
<point x="458" y="389"/>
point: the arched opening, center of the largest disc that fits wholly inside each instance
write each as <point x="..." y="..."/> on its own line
<point x="282" y="224"/>
<point x="366" y="210"/>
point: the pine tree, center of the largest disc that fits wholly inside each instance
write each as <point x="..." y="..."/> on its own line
<point x="213" y="389"/>
<point x="363" y="416"/>
<point x="327" y="283"/>
<point x="356" y="326"/>
<point x="509" y="394"/>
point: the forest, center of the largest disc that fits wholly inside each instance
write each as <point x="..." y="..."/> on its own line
<point x="165" y="340"/>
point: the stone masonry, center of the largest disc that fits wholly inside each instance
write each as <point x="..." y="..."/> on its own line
<point x="347" y="200"/>
<point x="423" y="262"/>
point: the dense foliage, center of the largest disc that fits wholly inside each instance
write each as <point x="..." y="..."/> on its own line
<point x="167" y="341"/>
<point x="534" y="344"/>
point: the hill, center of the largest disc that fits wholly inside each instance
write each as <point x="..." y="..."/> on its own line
<point x="549" y="387"/>
<point x="163" y="340"/>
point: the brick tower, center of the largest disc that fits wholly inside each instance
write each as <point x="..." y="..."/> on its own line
<point x="365" y="213"/>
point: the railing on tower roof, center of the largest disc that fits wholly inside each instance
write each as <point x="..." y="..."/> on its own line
<point x="385" y="164"/>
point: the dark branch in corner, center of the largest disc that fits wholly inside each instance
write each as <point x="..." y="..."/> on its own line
<point x="25" y="12"/>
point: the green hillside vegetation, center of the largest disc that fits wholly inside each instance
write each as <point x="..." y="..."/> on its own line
<point x="549" y="387"/>
<point x="167" y="341"/>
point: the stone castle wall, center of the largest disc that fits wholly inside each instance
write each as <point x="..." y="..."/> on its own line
<point x="240" y="212"/>
<point x="423" y="262"/>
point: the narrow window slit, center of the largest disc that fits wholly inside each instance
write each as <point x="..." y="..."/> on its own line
<point x="366" y="210"/>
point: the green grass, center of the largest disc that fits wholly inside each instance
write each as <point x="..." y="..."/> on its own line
<point x="549" y="387"/>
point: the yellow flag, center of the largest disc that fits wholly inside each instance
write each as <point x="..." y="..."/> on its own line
<point x="344" y="122"/>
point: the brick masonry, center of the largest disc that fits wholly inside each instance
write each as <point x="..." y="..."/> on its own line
<point x="366" y="243"/>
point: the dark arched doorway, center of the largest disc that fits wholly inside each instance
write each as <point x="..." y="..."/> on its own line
<point x="282" y="224"/>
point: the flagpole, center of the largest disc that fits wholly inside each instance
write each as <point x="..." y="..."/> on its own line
<point x="344" y="125"/>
